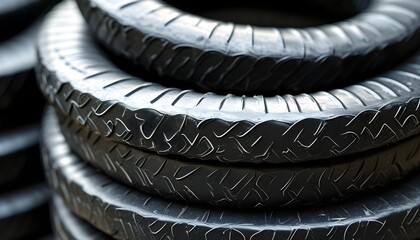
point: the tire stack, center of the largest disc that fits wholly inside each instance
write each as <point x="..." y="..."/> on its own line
<point x="23" y="194"/>
<point x="167" y="125"/>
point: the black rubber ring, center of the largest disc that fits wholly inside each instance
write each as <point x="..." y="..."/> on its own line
<point x="76" y="78"/>
<point x="268" y="187"/>
<point x="244" y="59"/>
<point x="16" y="15"/>
<point x="20" y="165"/>
<point x="17" y="81"/>
<point x="124" y="213"/>
<point x="24" y="213"/>
<point x="68" y="226"/>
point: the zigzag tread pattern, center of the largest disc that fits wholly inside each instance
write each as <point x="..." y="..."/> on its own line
<point x="125" y="214"/>
<point x="244" y="187"/>
<point x="247" y="71"/>
<point x="146" y="115"/>
<point x="215" y="139"/>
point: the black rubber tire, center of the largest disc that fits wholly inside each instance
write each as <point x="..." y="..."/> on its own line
<point x="24" y="213"/>
<point x="66" y="226"/>
<point x="15" y="15"/>
<point x="17" y="81"/>
<point x="244" y="59"/>
<point x="244" y="187"/>
<point x="20" y="165"/>
<point x="77" y="79"/>
<point x="124" y="213"/>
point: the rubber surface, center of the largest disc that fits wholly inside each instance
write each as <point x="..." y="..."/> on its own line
<point x="20" y="165"/>
<point x="17" y="81"/>
<point x="15" y="15"/>
<point x="267" y="187"/>
<point x="75" y="76"/>
<point x="243" y="59"/>
<point x="66" y="226"/>
<point x="127" y="214"/>
<point x="24" y="213"/>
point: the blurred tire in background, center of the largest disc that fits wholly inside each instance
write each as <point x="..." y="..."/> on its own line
<point x="23" y="194"/>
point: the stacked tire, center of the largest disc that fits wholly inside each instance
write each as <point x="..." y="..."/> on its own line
<point x="23" y="194"/>
<point x="167" y="125"/>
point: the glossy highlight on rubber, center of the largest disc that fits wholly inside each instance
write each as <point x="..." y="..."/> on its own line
<point x="245" y="59"/>
<point x="123" y="213"/>
<point x="76" y="77"/>
<point x="267" y="187"/>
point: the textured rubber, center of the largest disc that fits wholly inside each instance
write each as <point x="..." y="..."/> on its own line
<point x="24" y="213"/>
<point x="18" y="14"/>
<point x="17" y="81"/>
<point x="66" y="226"/>
<point x="76" y="77"/>
<point x="244" y="59"/>
<point x="126" y="214"/>
<point x="20" y="165"/>
<point x="245" y="187"/>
